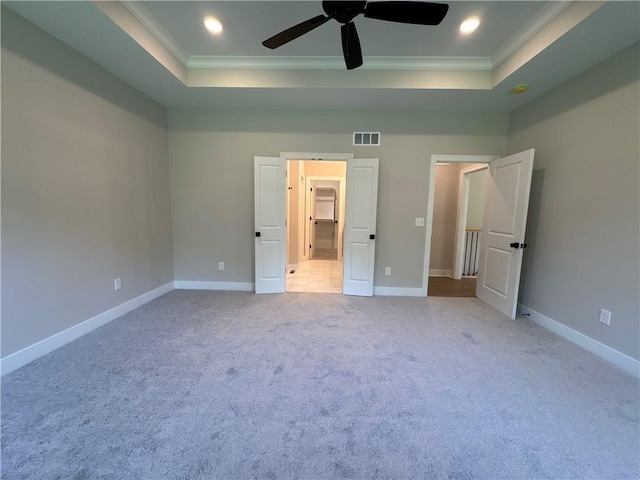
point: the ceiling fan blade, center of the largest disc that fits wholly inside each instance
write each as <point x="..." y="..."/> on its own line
<point x="418" y="13"/>
<point x="294" y="32"/>
<point x="351" y="46"/>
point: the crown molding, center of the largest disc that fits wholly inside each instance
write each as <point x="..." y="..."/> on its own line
<point x="550" y="11"/>
<point x="154" y="26"/>
<point x="337" y="63"/>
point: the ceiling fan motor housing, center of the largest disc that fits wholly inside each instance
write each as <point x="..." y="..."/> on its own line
<point x="343" y="12"/>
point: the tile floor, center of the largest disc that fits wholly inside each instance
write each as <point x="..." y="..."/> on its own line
<point x="320" y="276"/>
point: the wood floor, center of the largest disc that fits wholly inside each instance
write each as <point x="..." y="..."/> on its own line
<point x="448" y="287"/>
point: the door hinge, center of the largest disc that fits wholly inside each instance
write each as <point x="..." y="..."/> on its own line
<point x="309" y="246"/>
<point x="311" y="189"/>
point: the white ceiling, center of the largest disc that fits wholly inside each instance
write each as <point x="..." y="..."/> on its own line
<point x="247" y="24"/>
<point x="162" y="49"/>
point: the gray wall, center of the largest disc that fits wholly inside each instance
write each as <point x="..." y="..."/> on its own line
<point x="445" y="214"/>
<point x="85" y="188"/>
<point x="583" y="225"/>
<point x="211" y="155"/>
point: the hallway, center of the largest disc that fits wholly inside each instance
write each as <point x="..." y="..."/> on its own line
<point x="319" y="276"/>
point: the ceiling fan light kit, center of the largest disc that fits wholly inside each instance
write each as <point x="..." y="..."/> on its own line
<point x="416" y="13"/>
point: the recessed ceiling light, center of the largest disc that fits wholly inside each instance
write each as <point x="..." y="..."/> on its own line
<point x="213" y="25"/>
<point x="469" y="25"/>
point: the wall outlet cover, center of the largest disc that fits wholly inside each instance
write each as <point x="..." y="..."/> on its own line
<point x="605" y="316"/>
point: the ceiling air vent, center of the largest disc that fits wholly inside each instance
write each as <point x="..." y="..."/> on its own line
<point x="366" y="138"/>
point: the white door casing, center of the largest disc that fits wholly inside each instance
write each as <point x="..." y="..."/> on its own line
<point x="360" y="226"/>
<point x="270" y="215"/>
<point x="502" y="238"/>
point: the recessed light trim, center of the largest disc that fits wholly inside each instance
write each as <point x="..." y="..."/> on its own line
<point x="213" y="25"/>
<point x="469" y="25"/>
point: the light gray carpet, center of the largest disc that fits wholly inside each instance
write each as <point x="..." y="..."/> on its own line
<point x="203" y="385"/>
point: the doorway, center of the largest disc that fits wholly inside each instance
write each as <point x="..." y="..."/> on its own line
<point x="451" y="231"/>
<point x="450" y="212"/>
<point x="316" y="213"/>
<point x="502" y="238"/>
<point x="472" y="187"/>
<point x="271" y="221"/>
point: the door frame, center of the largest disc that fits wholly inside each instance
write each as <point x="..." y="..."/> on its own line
<point x="317" y="156"/>
<point x="341" y="210"/>
<point x="461" y="220"/>
<point x="435" y="158"/>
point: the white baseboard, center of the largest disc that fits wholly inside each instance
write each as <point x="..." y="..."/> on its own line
<point x="399" y="292"/>
<point x="27" y="355"/>
<point x="438" y="272"/>
<point x="619" y="359"/>
<point x="228" y="286"/>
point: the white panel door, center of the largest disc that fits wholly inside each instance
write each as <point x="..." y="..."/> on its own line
<point x="270" y="231"/>
<point x="360" y="226"/>
<point x="502" y="238"/>
<point x="312" y="221"/>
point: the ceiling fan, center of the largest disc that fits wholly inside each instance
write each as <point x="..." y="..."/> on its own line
<point x="417" y="13"/>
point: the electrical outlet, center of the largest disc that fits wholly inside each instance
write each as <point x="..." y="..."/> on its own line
<point x="419" y="222"/>
<point x="117" y="283"/>
<point x="220" y="265"/>
<point x="605" y="316"/>
<point x="387" y="271"/>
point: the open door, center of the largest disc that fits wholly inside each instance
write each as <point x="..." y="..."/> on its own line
<point x="270" y="231"/>
<point x="502" y="238"/>
<point x="312" y="221"/>
<point x="360" y="227"/>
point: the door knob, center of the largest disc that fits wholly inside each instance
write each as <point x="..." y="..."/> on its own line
<point x="372" y="237"/>
<point x="257" y="234"/>
<point x="518" y="245"/>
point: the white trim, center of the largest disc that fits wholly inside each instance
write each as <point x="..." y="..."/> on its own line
<point x="550" y="11"/>
<point x="337" y="63"/>
<point x="464" y="158"/>
<point x="619" y="359"/>
<point x="153" y="25"/>
<point x="228" y="286"/>
<point x="439" y="272"/>
<point x="431" y="198"/>
<point x="399" y="292"/>
<point x="28" y="354"/>
<point x="316" y="156"/>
